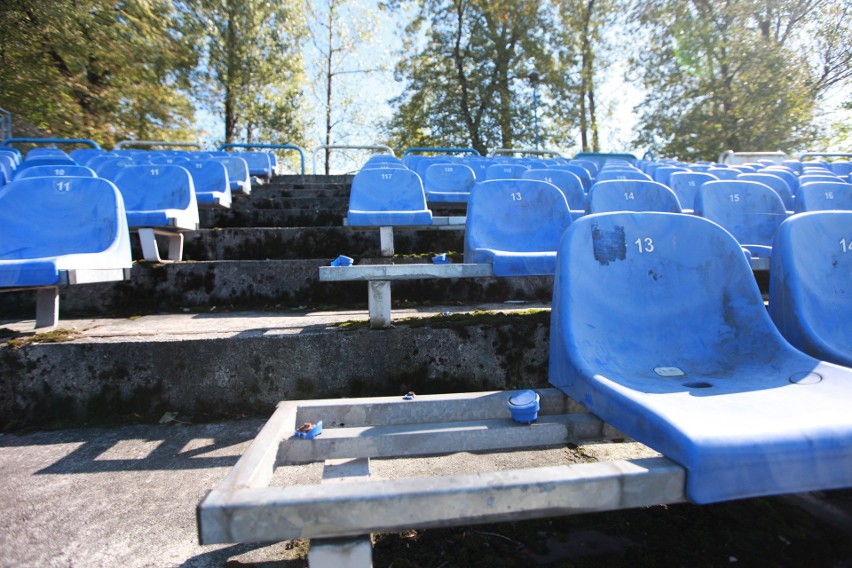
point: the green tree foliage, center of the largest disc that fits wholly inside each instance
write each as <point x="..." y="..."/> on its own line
<point x="466" y="72"/>
<point x="741" y="74"/>
<point x="99" y="69"/>
<point x="252" y="67"/>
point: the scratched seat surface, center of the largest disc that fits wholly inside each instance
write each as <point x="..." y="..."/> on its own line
<point x="48" y="225"/>
<point x="658" y="327"/>
<point x="387" y="197"/>
<point x="515" y="225"/>
<point x="810" y="287"/>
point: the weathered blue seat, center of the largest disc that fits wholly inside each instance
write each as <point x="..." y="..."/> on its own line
<point x="663" y="174"/>
<point x="631" y="195"/>
<point x="56" y="171"/>
<point x="659" y="328"/>
<point x="686" y="184"/>
<point x="515" y="225"/>
<point x="505" y="171"/>
<point x="784" y="173"/>
<point x="579" y="171"/>
<point x="238" y="173"/>
<point x="750" y="211"/>
<point x="609" y="174"/>
<point x="161" y="160"/>
<point x="810" y="287"/>
<point x="820" y="177"/>
<point x="45" y="161"/>
<point x="83" y="155"/>
<point x="210" y="178"/>
<point x="387" y="198"/>
<point x="46" y="154"/>
<point x="58" y="231"/>
<point x="824" y="196"/>
<point x="842" y="169"/>
<point x="567" y="182"/>
<point x="781" y="187"/>
<point x="448" y="183"/>
<point x="160" y="200"/>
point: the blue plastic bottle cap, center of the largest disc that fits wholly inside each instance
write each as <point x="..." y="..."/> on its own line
<point x="524" y="406"/>
<point x="523" y="398"/>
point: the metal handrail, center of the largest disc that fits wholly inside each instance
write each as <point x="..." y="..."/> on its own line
<point x="825" y="155"/>
<point x="318" y="149"/>
<point x="510" y="151"/>
<point x="272" y="146"/>
<point x="443" y="151"/>
<point x="124" y="143"/>
<point x="10" y="141"/>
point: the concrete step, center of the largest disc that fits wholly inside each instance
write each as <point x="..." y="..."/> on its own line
<point x="210" y="365"/>
<point x="278" y="284"/>
<point x="252" y="217"/>
<point x="310" y="242"/>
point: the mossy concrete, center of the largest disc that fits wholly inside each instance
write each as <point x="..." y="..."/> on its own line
<point x="90" y="380"/>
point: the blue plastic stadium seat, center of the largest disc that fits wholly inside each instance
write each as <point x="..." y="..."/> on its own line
<point x="589" y="165"/>
<point x="608" y="174"/>
<point x="158" y="196"/>
<point x="785" y="174"/>
<point x="448" y="183"/>
<point x="568" y="183"/>
<point x="810" y="288"/>
<point x="686" y="184"/>
<point x="631" y="195"/>
<point x="45" y="161"/>
<point x="793" y="165"/>
<point x="258" y="163"/>
<point x="821" y="177"/>
<point x="824" y="196"/>
<point x="750" y="211"/>
<point x="724" y="173"/>
<point x="58" y="231"/>
<point x="515" y="225"/>
<point x="210" y="179"/>
<point x="580" y="172"/>
<point x="46" y="153"/>
<point x="505" y="171"/>
<point x="83" y="155"/>
<point x="663" y="174"/>
<point x="842" y="169"/>
<point x="56" y="171"/>
<point x="659" y="328"/>
<point x="386" y="198"/>
<point x="162" y="159"/>
<point x="238" y="173"/>
<point x="109" y="168"/>
<point x="781" y="187"/>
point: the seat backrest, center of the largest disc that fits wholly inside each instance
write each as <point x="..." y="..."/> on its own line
<point x="631" y="195"/>
<point x="387" y="190"/>
<point x="824" y="196"/>
<point x="45" y="153"/>
<point x="208" y="176"/>
<point x="46" y="161"/>
<point x="454" y="178"/>
<point x="505" y="171"/>
<point x="579" y="171"/>
<point x="645" y="295"/>
<point x="46" y="217"/>
<point x="568" y="183"/>
<point x="108" y="168"/>
<point x="236" y="166"/>
<point x="841" y="168"/>
<point x="781" y="187"/>
<point x="663" y="174"/>
<point x="724" y="173"/>
<point x="749" y="210"/>
<point x="156" y="188"/>
<point x="686" y="184"/>
<point x="810" y="288"/>
<point x="784" y="173"/>
<point x="56" y="171"/>
<point x="163" y="159"/>
<point x="83" y="155"/>
<point x="258" y="163"/>
<point x="621" y="174"/>
<point x="515" y="216"/>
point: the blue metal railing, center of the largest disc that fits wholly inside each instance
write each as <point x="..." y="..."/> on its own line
<point x="86" y="141"/>
<point x="272" y="146"/>
<point x="443" y="151"/>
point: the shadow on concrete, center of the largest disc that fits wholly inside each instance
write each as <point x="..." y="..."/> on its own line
<point x="162" y="447"/>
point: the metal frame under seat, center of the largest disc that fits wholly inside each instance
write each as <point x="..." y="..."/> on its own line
<point x="347" y="506"/>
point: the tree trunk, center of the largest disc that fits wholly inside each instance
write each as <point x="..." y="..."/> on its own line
<point x="328" y="80"/>
<point x="231" y="88"/>
<point x="587" y="84"/>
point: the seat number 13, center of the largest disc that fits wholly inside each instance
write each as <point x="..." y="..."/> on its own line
<point x="644" y="245"/>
